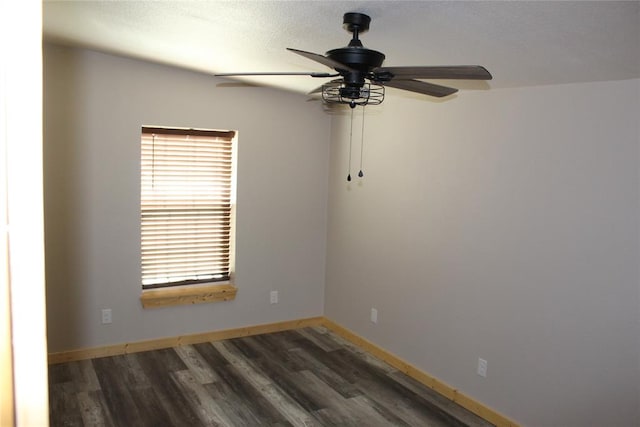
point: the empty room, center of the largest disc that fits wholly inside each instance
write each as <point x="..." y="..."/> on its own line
<point x="323" y="213"/>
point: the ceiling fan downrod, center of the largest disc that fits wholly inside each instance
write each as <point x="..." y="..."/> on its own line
<point x="356" y="23"/>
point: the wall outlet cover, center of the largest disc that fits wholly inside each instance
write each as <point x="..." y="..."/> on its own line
<point x="106" y="316"/>
<point x="482" y="367"/>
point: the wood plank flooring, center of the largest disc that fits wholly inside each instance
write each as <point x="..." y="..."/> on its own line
<point x="306" y="377"/>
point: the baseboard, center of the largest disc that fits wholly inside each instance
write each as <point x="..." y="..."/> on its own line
<point x="444" y="389"/>
<point x="156" y="344"/>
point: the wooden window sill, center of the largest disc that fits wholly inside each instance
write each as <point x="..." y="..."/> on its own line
<point x="188" y="295"/>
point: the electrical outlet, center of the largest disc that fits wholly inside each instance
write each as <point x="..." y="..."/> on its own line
<point x="106" y="316"/>
<point x="374" y="315"/>
<point x="274" y="297"/>
<point x="482" y="367"/>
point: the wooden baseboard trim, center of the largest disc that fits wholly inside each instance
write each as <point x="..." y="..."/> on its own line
<point x="135" y="347"/>
<point x="444" y="389"/>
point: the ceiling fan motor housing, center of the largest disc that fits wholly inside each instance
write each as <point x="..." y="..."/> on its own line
<point x="360" y="59"/>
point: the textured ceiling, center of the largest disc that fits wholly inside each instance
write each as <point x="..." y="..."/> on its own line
<point x="522" y="43"/>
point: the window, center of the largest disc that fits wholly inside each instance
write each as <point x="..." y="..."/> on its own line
<point x="187" y="198"/>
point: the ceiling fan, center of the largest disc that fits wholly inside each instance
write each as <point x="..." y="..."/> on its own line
<point x="362" y="76"/>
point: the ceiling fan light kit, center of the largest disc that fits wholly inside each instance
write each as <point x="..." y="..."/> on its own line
<point x="336" y="92"/>
<point x="362" y="76"/>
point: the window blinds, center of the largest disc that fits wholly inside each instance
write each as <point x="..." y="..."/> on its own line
<point x="186" y="200"/>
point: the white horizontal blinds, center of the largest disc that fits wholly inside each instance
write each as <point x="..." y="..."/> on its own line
<point x="186" y="180"/>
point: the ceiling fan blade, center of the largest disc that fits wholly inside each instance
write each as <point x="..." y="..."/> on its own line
<point x="322" y="59"/>
<point x="421" y="87"/>
<point x="466" y="72"/>
<point x="285" y="73"/>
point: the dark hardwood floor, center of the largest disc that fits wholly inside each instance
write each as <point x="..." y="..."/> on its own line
<point x="307" y="377"/>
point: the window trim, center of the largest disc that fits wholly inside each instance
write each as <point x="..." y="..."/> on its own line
<point x="187" y="295"/>
<point x="210" y="290"/>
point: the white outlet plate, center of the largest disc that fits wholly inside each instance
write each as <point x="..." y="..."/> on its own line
<point x="274" y="297"/>
<point x="374" y="315"/>
<point x="482" y="367"/>
<point x="106" y="316"/>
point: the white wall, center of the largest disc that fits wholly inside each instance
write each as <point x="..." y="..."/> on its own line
<point x="23" y="344"/>
<point x="501" y="224"/>
<point x="95" y="105"/>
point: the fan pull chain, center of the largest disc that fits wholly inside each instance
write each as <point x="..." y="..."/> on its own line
<point x="360" y="174"/>
<point x="350" y="144"/>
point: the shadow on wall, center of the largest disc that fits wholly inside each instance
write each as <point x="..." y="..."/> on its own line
<point x="65" y="208"/>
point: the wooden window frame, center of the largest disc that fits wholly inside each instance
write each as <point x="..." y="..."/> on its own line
<point x="191" y="291"/>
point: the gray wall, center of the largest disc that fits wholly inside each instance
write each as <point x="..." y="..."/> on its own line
<point x="502" y="225"/>
<point x="94" y="107"/>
